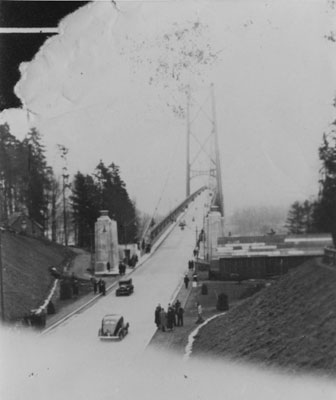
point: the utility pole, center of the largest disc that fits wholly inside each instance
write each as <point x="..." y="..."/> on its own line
<point x="2" y="284"/>
<point x="63" y="152"/>
<point x="65" y="178"/>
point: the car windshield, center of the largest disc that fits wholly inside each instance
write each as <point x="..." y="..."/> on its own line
<point x="109" y="326"/>
<point x="123" y="283"/>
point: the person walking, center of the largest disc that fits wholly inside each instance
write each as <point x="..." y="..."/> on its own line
<point x="199" y="313"/>
<point x="194" y="279"/>
<point x="177" y="305"/>
<point x="157" y="315"/>
<point x="163" y="319"/>
<point x="186" y="281"/>
<point x="180" y="312"/>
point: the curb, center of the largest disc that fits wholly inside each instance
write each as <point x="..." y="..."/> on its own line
<point x="114" y="284"/>
<point x="191" y="337"/>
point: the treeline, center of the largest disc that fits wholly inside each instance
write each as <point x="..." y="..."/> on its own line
<point x="25" y="178"/>
<point x="103" y="190"/>
<point x="319" y="215"/>
<point x="62" y="208"/>
<point x="260" y="220"/>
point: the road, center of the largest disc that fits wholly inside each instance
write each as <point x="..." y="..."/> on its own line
<point x="72" y="350"/>
<point x="71" y="363"/>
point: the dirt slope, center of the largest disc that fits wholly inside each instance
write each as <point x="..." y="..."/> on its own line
<point x="26" y="276"/>
<point x="291" y="324"/>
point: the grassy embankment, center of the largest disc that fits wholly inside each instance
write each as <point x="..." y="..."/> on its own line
<point x="290" y="324"/>
<point x="26" y="276"/>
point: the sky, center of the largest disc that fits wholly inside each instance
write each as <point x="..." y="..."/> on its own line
<point x="112" y="85"/>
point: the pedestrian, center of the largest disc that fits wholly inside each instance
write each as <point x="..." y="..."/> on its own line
<point x="194" y="280"/>
<point x="157" y="315"/>
<point x="180" y="312"/>
<point x="163" y="319"/>
<point x="103" y="287"/>
<point x="120" y="268"/>
<point x="170" y="317"/>
<point x="108" y="266"/>
<point x="94" y="285"/>
<point x="177" y="305"/>
<point x="186" y="281"/>
<point x="100" y="285"/>
<point x="199" y="313"/>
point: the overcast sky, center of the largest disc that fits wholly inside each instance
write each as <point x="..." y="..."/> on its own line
<point x="111" y="86"/>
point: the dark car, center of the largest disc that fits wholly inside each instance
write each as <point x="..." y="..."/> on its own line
<point x="125" y="287"/>
<point x="113" y="327"/>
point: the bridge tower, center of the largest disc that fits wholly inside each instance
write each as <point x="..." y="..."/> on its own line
<point x="208" y="147"/>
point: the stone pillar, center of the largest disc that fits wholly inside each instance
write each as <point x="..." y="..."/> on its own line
<point x="214" y="229"/>
<point x="106" y="245"/>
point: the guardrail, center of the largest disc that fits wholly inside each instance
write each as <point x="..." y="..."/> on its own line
<point x="329" y="256"/>
<point x="158" y="229"/>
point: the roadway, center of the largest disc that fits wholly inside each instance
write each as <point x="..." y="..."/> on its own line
<point x="70" y="362"/>
<point x="72" y="350"/>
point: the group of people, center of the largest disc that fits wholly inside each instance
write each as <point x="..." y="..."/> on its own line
<point x="167" y="320"/>
<point x="99" y="286"/>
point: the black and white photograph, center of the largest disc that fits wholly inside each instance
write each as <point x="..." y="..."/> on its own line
<point x="168" y="200"/>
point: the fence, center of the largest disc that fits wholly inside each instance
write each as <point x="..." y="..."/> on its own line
<point x="158" y="229"/>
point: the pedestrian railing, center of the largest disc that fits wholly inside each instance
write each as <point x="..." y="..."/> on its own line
<point x="329" y="255"/>
<point x="158" y="229"/>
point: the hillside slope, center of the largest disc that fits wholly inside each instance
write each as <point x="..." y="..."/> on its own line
<point x="291" y="324"/>
<point x="26" y="276"/>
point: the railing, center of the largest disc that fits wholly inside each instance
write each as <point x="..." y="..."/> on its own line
<point x="158" y="229"/>
<point x="329" y="256"/>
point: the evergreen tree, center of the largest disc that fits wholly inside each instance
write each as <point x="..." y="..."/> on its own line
<point x="38" y="177"/>
<point x="10" y="170"/>
<point x="115" y="199"/>
<point x="300" y="217"/>
<point x="86" y="205"/>
<point x="325" y="209"/>
<point x="296" y="219"/>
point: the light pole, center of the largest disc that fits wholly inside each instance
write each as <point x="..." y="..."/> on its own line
<point x="65" y="178"/>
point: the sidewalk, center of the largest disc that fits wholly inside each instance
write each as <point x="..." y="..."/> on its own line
<point x="80" y="266"/>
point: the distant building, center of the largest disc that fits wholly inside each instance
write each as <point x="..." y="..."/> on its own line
<point x="20" y="223"/>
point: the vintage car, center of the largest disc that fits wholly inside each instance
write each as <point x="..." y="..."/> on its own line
<point x="125" y="288"/>
<point x="113" y="327"/>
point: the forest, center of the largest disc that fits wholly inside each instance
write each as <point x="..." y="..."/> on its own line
<point x="66" y="210"/>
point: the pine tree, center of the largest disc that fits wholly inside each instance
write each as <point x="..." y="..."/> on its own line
<point x="296" y="218"/>
<point x="38" y="182"/>
<point x="325" y="209"/>
<point x="86" y="206"/>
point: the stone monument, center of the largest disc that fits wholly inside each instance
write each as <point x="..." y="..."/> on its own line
<point x="106" y="245"/>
